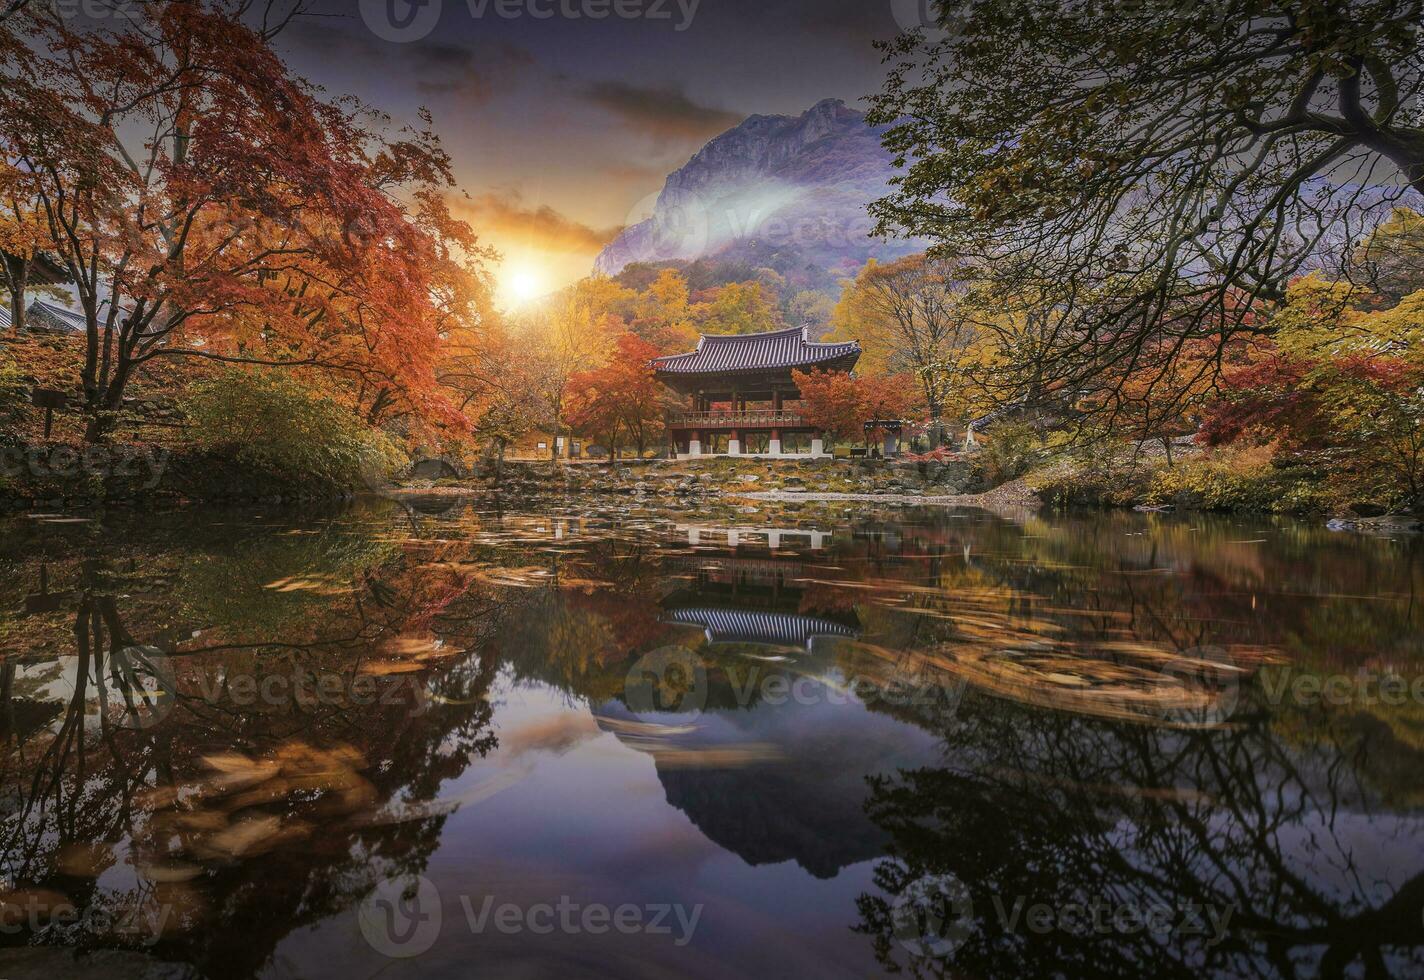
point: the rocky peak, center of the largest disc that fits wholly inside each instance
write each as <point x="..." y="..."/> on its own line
<point x="797" y="185"/>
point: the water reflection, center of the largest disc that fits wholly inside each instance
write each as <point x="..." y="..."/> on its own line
<point x="225" y="734"/>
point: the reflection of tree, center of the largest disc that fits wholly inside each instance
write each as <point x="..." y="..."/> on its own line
<point x="1040" y="803"/>
<point x="1050" y="808"/>
<point x="91" y="777"/>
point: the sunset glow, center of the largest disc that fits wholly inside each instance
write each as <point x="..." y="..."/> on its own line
<point x="523" y="285"/>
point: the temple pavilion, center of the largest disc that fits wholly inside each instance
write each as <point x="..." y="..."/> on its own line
<point x="744" y="400"/>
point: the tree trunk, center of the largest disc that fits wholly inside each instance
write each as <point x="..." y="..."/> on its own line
<point x="17" y="277"/>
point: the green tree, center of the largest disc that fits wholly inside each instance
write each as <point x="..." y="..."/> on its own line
<point x="1185" y="160"/>
<point x="271" y="420"/>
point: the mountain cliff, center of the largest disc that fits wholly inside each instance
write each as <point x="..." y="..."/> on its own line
<point x="784" y="192"/>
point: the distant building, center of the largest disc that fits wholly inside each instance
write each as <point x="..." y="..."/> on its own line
<point x="743" y="394"/>
<point x="44" y="315"/>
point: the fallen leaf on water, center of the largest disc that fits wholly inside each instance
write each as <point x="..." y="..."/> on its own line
<point x="383" y="668"/>
<point x="166" y="872"/>
<point x="271" y="791"/>
<point x="720" y="757"/>
<point x="156" y="797"/>
<point x="558" y="734"/>
<point x="409" y="646"/>
<point x="84" y="859"/>
<point x="646" y="728"/>
<point x="241" y="837"/>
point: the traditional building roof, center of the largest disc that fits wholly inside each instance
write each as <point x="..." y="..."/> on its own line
<point x="47" y="271"/>
<point x="44" y="315"/>
<point x="779" y="350"/>
<point x="51" y="316"/>
<point x="760" y="628"/>
<point x="5" y="322"/>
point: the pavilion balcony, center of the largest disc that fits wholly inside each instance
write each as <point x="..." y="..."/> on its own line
<point x="746" y="419"/>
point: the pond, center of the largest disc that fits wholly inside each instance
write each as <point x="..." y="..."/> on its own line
<point x="440" y="739"/>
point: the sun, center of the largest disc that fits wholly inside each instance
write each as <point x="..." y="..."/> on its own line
<point x="523" y="285"/>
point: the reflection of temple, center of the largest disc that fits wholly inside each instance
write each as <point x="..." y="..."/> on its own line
<point x="765" y="628"/>
<point x="753" y="600"/>
<point x="772" y="538"/>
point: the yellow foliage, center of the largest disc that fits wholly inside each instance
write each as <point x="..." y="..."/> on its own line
<point x="1322" y="318"/>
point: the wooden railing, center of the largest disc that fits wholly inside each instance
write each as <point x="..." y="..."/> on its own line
<point x="730" y="420"/>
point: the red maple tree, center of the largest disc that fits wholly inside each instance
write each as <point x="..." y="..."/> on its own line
<point x="623" y="396"/>
<point x="255" y="222"/>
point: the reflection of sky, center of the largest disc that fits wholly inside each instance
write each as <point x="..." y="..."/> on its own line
<point x="588" y="817"/>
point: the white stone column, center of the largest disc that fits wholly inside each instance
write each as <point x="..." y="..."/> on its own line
<point x="694" y="447"/>
<point x="818" y="447"/>
<point x="773" y="447"/>
<point x="734" y="447"/>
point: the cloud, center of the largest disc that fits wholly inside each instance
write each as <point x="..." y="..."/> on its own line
<point x="472" y="70"/>
<point x="475" y="70"/>
<point x="665" y="112"/>
<point x="507" y="216"/>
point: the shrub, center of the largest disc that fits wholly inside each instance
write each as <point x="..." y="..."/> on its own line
<point x="1240" y="478"/>
<point x="14" y="397"/>
<point x="1011" y="451"/>
<point x="1105" y="476"/>
<point x="271" y="421"/>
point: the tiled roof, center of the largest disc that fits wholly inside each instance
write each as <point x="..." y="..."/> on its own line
<point x="52" y="316"/>
<point x="780" y="349"/>
<point x="767" y="628"/>
<point x="44" y="315"/>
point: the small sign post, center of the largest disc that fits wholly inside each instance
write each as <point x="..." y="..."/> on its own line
<point x="49" y="399"/>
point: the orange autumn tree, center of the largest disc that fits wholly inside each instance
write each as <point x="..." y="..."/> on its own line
<point x="21" y="237"/>
<point x="623" y="396"/>
<point x="257" y="223"/>
<point x="841" y="404"/>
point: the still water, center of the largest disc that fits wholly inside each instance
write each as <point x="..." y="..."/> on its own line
<point x="448" y="740"/>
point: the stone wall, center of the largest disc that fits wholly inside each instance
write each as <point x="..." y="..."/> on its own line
<point x="62" y="475"/>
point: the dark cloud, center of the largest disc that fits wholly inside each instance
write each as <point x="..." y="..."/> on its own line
<point x="474" y="69"/>
<point x="665" y="112"/>
<point x="508" y="216"/>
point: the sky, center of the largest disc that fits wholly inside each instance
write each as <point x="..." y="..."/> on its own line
<point x="562" y="124"/>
